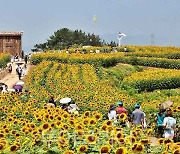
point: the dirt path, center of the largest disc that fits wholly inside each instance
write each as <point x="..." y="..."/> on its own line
<point x="154" y="141"/>
<point x="10" y="79"/>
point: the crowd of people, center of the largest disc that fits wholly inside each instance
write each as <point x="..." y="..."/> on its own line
<point x="166" y="124"/>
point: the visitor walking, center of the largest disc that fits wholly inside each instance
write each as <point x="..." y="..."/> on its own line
<point x="169" y="124"/>
<point x="137" y="116"/>
<point x="120" y="109"/>
<point x="26" y="59"/>
<point x="144" y="120"/>
<point x="19" y="71"/>
<point x="10" y="68"/>
<point x="112" y="112"/>
<point x="160" y="118"/>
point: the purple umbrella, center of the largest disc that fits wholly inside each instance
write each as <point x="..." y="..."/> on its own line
<point x="17" y="87"/>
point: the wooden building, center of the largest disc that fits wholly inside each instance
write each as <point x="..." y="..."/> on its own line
<point x="11" y="42"/>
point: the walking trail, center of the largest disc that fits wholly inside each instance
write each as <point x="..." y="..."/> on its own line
<point x="10" y="79"/>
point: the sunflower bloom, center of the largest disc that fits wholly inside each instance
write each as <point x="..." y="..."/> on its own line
<point x="91" y="139"/>
<point x="13" y="148"/>
<point x="82" y="148"/>
<point x="62" y="142"/>
<point x="68" y="152"/>
<point x="121" y="150"/>
<point x="104" y="149"/>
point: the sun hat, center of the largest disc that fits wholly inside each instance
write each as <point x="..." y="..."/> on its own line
<point x="65" y="100"/>
<point x="120" y="103"/>
<point x="137" y="105"/>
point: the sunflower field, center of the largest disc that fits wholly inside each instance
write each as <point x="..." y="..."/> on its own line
<point x="33" y="127"/>
<point x="106" y="59"/>
<point x="152" y="79"/>
<point x="94" y="81"/>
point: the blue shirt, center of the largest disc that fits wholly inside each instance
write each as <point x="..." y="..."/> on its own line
<point x="160" y="119"/>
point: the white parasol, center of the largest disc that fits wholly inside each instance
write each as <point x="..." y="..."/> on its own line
<point x="20" y="83"/>
<point x="65" y="100"/>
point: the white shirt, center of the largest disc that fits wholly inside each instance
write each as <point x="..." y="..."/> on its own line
<point x="171" y="122"/>
<point x="112" y="114"/>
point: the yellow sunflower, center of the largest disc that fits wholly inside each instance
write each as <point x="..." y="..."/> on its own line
<point x="82" y="149"/>
<point x="13" y="148"/>
<point x="130" y="140"/>
<point x="45" y="126"/>
<point x="62" y="142"/>
<point x="80" y="133"/>
<point x="176" y="151"/>
<point x="122" y="117"/>
<point x="91" y="139"/>
<point x="119" y="135"/>
<point x="121" y="150"/>
<point x="92" y="121"/>
<point x="166" y="141"/>
<point x="105" y="149"/>
<point x="121" y="141"/>
<point x="138" y="147"/>
<point x="145" y="141"/>
<point x="1" y="146"/>
<point x="87" y="114"/>
<point x="68" y="152"/>
<point x="161" y="140"/>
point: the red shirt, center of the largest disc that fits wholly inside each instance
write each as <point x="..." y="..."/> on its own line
<point x="120" y="110"/>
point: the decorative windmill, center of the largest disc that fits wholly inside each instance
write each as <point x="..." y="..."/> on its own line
<point x="120" y="36"/>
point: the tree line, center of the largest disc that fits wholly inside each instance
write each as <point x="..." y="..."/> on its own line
<point x="65" y="38"/>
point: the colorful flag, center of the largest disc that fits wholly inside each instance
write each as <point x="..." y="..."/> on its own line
<point x="94" y="18"/>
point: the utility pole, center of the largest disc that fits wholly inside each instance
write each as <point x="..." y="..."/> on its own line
<point x="152" y="39"/>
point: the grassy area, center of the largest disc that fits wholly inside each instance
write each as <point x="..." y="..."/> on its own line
<point x="117" y="73"/>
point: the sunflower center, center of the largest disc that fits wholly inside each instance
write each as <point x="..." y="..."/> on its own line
<point x="91" y="138"/>
<point x="83" y="148"/>
<point x="104" y="150"/>
<point x="119" y="151"/>
<point x="45" y="126"/>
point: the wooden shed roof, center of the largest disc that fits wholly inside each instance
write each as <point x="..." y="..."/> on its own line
<point x="11" y="33"/>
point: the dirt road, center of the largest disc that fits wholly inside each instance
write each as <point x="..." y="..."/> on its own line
<point x="10" y="79"/>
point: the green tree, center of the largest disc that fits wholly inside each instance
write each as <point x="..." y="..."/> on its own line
<point x="65" y="38"/>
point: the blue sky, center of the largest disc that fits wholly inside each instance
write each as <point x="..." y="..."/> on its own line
<point x="138" y="19"/>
